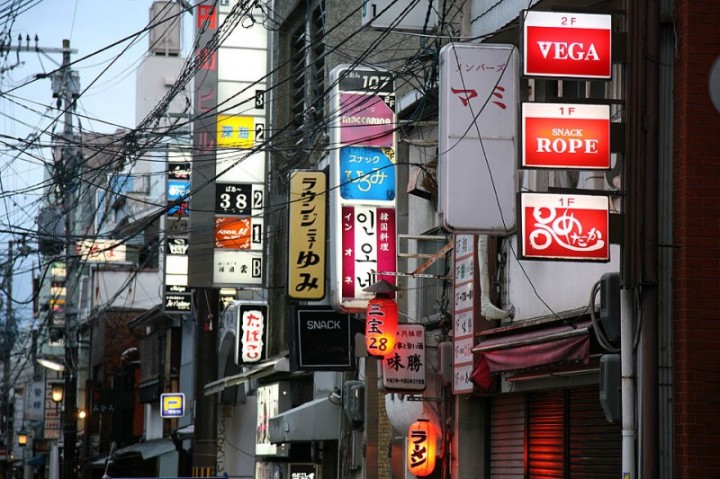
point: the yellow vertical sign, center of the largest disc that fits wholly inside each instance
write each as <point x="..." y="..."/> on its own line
<point x="306" y="257"/>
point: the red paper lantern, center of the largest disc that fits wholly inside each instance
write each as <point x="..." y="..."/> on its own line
<point x="381" y="320"/>
<point x="422" y="443"/>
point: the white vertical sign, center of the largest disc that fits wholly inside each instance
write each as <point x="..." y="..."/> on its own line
<point x="477" y="137"/>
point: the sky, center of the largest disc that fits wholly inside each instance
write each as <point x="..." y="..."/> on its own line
<point x="107" y="102"/>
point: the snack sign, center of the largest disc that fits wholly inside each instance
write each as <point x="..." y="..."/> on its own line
<point x="565" y="136"/>
<point x="567" y="45"/>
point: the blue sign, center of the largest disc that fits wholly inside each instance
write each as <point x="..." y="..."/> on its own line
<point x="367" y="173"/>
<point x="172" y="405"/>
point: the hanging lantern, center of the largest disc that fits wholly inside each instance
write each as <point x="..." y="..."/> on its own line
<point x="381" y="320"/>
<point x="422" y="444"/>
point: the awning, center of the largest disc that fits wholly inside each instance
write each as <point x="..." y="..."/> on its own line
<point x="555" y="345"/>
<point x="37" y="460"/>
<point x="146" y="450"/>
<point x="258" y="371"/>
<point x="317" y="420"/>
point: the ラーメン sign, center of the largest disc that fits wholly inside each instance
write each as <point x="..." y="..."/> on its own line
<point x="558" y="135"/>
<point x="560" y="226"/>
<point x="567" y="45"/>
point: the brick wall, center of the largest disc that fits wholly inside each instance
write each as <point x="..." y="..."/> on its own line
<point x="697" y="239"/>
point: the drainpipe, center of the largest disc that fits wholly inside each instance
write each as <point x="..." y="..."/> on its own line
<point x="640" y="255"/>
<point x="627" y="383"/>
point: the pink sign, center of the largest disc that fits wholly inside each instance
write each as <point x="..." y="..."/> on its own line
<point x="365" y="120"/>
<point x="368" y="247"/>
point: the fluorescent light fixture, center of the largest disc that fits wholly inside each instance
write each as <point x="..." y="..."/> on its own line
<point x="51" y="364"/>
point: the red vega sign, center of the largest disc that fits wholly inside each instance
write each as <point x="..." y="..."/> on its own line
<point x="567" y="45"/>
<point x="565" y="136"/>
<point x="571" y="227"/>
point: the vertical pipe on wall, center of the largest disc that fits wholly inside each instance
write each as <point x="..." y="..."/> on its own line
<point x="640" y="257"/>
<point x="627" y="328"/>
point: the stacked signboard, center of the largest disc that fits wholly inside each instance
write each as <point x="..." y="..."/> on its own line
<point x="362" y="184"/>
<point x="565" y="226"/>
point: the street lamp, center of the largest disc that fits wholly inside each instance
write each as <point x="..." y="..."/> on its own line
<point x="57" y="393"/>
<point x="22" y="437"/>
<point x="51" y="363"/>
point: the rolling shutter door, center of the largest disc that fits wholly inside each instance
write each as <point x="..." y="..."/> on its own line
<point x="546" y="436"/>
<point x="507" y="438"/>
<point x="595" y="445"/>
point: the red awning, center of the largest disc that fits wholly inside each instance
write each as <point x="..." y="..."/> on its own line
<point x="556" y="345"/>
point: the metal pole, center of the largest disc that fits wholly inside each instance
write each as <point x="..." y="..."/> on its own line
<point x="204" y="453"/>
<point x="70" y="176"/>
<point x="8" y="343"/>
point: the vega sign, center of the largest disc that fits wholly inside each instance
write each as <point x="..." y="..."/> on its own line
<point x="567" y="136"/>
<point x="567" y="45"/>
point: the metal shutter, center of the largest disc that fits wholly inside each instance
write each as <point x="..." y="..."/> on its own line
<point x="595" y="445"/>
<point x="546" y="435"/>
<point x="507" y="438"/>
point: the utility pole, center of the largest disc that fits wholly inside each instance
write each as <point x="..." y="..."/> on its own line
<point x="70" y="174"/>
<point x="8" y="342"/>
<point x="66" y="86"/>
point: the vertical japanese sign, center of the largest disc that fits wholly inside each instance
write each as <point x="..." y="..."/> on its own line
<point x="202" y="179"/>
<point x="560" y="226"/>
<point x="178" y="187"/>
<point x="477" y="137"/>
<point x="404" y="370"/>
<point x="177" y="292"/>
<point x="272" y="399"/>
<point x="463" y="311"/>
<point x="251" y="333"/>
<point x="368" y="245"/>
<point x="226" y="229"/>
<point x="240" y="168"/>
<point x="307" y="235"/>
<point x="567" y="45"/>
<point x="362" y="184"/>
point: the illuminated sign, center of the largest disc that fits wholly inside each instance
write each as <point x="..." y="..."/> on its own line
<point x="234" y="267"/>
<point x="177" y="292"/>
<point x="238" y="233"/>
<point x="367" y="173"/>
<point x="307" y="235"/>
<point x="368" y="247"/>
<point x="567" y="45"/>
<point x="172" y="405"/>
<point x="252" y="333"/>
<point x="560" y="226"/>
<point x="239" y="198"/>
<point x="367" y="119"/>
<point x="362" y="183"/>
<point x="566" y="136"/>
<point x="239" y="131"/>
<point x="404" y="369"/>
